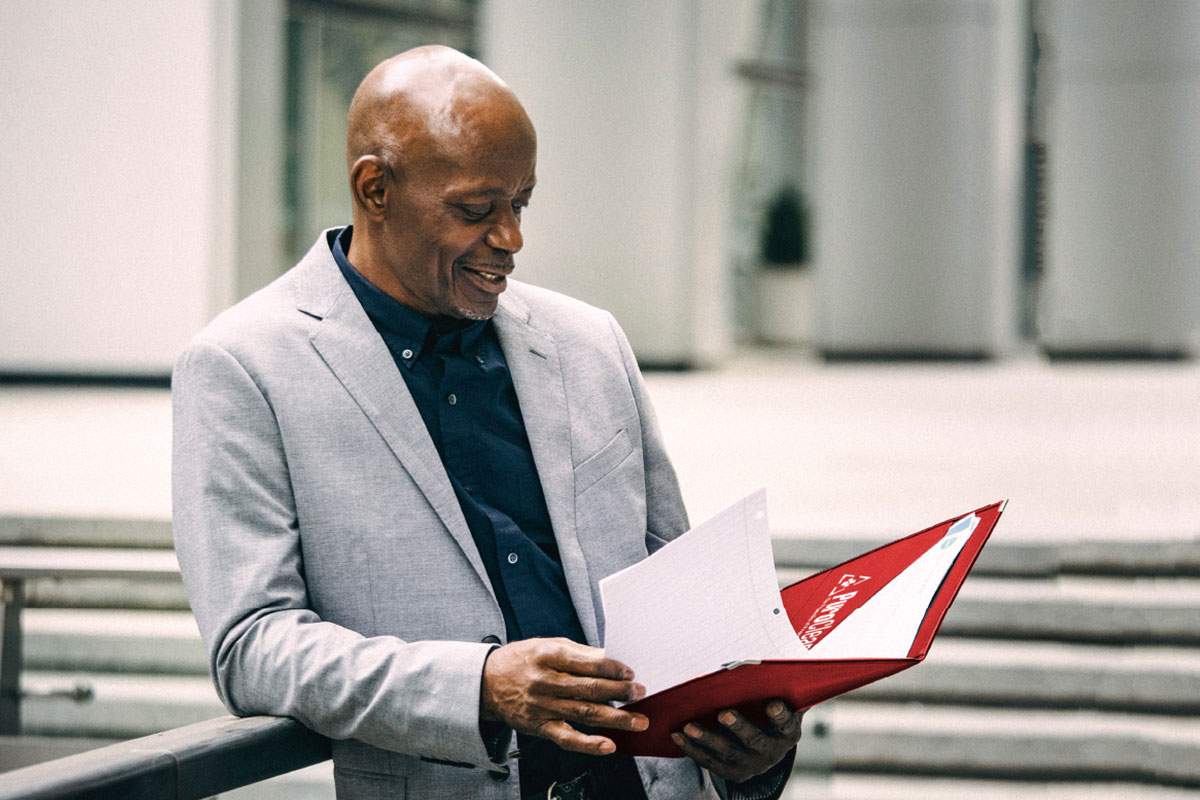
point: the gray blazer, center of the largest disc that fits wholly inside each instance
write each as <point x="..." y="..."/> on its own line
<point x="327" y="560"/>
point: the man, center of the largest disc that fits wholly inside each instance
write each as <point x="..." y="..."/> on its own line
<point x="399" y="477"/>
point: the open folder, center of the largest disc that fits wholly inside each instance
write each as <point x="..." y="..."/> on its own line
<point x="705" y="627"/>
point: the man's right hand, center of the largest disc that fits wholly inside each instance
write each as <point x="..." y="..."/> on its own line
<point x="541" y="686"/>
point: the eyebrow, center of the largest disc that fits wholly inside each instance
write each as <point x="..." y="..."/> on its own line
<point x="494" y="191"/>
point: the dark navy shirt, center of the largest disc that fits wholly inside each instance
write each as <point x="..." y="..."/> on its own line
<point x="457" y="375"/>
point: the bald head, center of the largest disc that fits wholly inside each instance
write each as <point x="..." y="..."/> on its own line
<point x="427" y="103"/>
<point x="442" y="161"/>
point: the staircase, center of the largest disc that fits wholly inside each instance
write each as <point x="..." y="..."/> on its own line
<point x="1062" y="671"/>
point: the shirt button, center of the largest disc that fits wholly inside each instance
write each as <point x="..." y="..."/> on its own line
<point x="406" y="354"/>
<point x="451" y="399"/>
<point x="512" y="558"/>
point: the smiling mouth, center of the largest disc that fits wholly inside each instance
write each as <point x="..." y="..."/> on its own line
<point x="490" y="273"/>
<point x="494" y="277"/>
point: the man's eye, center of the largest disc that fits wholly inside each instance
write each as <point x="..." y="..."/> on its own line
<point x="518" y="208"/>
<point x="475" y="212"/>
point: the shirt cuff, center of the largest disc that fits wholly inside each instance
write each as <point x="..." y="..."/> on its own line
<point x="496" y="736"/>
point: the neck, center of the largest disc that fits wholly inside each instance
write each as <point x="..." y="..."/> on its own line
<point x="365" y="258"/>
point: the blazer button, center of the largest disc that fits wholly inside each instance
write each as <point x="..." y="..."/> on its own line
<point x="490" y="639"/>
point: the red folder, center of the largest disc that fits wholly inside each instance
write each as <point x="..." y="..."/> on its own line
<point x="804" y="683"/>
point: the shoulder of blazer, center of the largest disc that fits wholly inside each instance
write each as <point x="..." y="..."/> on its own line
<point x="286" y="310"/>
<point x="554" y="314"/>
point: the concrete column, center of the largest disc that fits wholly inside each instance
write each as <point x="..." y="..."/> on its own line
<point x="916" y="132"/>
<point x="636" y="106"/>
<point x="1123" y="182"/>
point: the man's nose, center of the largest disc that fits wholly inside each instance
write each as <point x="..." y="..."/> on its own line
<point x="506" y="233"/>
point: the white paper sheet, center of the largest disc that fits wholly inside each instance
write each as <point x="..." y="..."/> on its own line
<point x="708" y="598"/>
<point x="886" y="625"/>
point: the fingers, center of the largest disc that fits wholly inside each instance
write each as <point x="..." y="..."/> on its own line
<point x="706" y="758"/>
<point x="568" y="738"/>
<point x="742" y="749"/>
<point x="579" y="659"/>
<point x="750" y="735"/>
<point x="542" y="686"/>
<point x="598" y="715"/>
<point x="599" y="690"/>
<point x="785" y="721"/>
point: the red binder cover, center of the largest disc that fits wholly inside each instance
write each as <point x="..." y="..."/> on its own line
<point x="804" y="683"/>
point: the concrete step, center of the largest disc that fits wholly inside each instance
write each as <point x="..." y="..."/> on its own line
<point x="65" y="531"/>
<point x="122" y="706"/>
<point x="1164" y="680"/>
<point x="855" y="786"/>
<point x="24" y="751"/>
<point x="106" y="593"/>
<point x="1073" y="608"/>
<point x="923" y="739"/>
<point x="310" y="783"/>
<point x="125" y="641"/>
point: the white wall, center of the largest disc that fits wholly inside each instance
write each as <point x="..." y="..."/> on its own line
<point x="115" y="153"/>
<point x="636" y="109"/>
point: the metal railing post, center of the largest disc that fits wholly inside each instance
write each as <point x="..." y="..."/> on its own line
<point x="12" y="595"/>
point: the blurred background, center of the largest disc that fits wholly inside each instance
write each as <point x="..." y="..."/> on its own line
<point x="893" y="259"/>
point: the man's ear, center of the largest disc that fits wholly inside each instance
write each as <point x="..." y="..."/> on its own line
<point x="370" y="182"/>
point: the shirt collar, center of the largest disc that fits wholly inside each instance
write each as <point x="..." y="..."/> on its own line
<point x="415" y="331"/>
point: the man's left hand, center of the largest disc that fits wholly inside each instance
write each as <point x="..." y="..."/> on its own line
<point x="739" y="749"/>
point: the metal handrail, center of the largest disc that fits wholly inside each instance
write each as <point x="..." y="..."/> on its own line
<point x="187" y="763"/>
<point x="20" y="564"/>
<point x="194" y="761"/>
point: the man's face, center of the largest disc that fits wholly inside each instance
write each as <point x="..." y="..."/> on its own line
<point x="454" y="221"/>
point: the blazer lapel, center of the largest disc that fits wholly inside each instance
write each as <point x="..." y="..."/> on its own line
<point x="354" y="351"/>
<point x="537" y="378"/>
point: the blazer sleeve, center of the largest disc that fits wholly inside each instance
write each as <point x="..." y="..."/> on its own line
<point x="238" y="540"/>
<point x="666" y="517"/>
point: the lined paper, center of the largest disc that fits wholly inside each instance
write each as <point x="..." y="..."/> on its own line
<point x="706" y="599"/>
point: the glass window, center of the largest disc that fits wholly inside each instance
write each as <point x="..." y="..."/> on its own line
<point x="330" y="47"/>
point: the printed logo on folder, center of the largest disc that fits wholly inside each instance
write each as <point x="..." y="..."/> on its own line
<point x="840" y="602"/>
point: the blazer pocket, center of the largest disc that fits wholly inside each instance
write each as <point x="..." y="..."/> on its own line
<point x="603" y="461"/>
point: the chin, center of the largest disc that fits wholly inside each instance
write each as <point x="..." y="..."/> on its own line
<point x="476" y="314"/>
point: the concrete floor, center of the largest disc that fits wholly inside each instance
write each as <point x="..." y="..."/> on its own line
<point x="857" y="450"/>
<point x="1083" y="451"/>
